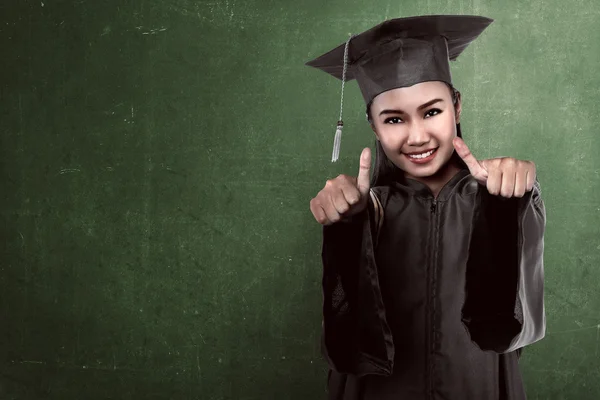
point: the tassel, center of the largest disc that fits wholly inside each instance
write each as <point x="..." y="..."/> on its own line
<point x="338" y="132"/>
<point x="337" y="141"/>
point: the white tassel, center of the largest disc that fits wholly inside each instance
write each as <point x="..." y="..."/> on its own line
<point x="337" y="142"/>
<point x="338" y="132"/>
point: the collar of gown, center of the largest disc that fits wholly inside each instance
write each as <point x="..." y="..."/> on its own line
<point x="418" y="188"/>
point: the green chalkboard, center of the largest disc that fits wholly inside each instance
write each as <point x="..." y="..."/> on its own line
<point x="158" y="158"/>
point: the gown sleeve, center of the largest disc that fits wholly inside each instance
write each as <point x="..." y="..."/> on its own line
<point x="504" y="293"/>
<point x="355" y="336"/>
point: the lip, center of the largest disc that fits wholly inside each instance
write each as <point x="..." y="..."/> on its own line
<point x="422" y="160"/>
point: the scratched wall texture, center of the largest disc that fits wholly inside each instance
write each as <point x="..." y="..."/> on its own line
<point x="158" y="157"/>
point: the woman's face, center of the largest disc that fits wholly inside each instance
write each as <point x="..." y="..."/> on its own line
<point x="415" y="126"/>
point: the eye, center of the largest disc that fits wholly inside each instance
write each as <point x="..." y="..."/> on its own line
<point x="433" y="112"/>
<point x="393" y="120"/>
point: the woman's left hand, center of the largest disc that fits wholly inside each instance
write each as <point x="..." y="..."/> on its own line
<point x="503" y="176"/>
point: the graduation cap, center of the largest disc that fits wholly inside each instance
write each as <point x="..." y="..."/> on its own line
<point x="399" y="53"/>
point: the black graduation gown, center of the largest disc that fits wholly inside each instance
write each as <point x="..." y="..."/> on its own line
<point x="437" y="300"/>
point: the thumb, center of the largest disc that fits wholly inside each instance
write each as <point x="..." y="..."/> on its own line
<point x="363" y="180"/>
<point x="475" y="168"/>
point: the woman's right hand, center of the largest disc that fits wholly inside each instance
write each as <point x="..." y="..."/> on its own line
<point x="343" y="196"/>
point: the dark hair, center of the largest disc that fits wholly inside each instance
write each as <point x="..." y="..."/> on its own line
<point x="385" y="172"/>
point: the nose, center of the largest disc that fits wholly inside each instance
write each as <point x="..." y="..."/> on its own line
<point x="417" y="135"/>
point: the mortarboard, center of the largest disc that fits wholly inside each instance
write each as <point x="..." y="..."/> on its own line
<point x="399" y="53"/>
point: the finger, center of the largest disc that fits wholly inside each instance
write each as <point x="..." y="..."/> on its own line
<point x="351" y="194"/>
<point x="318" y="212"/>
<point x="463" y="152"/>
<point x="494" y="181"/>
<point x="507" y="187"/>
<point x="520" y="183"/>
<point x="362" y="181"/>
<point x="330" y="212"/>
<point x="531" y="175"/>
<point x="338" y="200"/>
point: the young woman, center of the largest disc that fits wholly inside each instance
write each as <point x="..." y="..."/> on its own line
<point x="432" y="269"/>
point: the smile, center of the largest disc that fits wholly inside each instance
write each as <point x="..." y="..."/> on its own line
<point x="421" y="158"/>
<point x="422" y="155"/>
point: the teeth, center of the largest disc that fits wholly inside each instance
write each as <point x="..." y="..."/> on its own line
<point x="423" y="155"/>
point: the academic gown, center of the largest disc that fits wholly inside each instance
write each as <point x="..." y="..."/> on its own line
<point x="433" y="298"/>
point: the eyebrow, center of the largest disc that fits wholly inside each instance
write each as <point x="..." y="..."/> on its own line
<point x="422" y="106"/>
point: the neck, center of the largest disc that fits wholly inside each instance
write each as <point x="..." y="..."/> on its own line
<point x="436" y="182"/>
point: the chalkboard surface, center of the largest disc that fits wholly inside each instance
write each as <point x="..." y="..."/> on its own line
<point x="158" y="158"/>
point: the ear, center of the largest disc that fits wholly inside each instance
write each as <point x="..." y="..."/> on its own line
<point x="374" y="130"/>
<point x="458" y="107"/>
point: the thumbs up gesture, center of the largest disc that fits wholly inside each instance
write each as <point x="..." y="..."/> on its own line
<point x="343" y="196"/>
<point x="503" y="176"/>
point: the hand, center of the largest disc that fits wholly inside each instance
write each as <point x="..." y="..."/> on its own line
<point x="503" y="176"/>
<point x="343" y="196"/>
